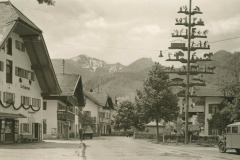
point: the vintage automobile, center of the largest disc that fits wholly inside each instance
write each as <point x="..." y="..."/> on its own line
<point x="231" y="140"/>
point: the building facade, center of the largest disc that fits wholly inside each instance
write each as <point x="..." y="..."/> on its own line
<point x="100" y="107"/>
<point x="204" y="102"/>
<point x="61" y="112"/>
<point x="26" y="73"/>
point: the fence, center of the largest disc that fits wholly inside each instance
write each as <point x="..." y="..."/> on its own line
<point x="174" y="138"/>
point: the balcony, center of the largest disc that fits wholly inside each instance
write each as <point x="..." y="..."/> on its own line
<point x="65" y="116"/>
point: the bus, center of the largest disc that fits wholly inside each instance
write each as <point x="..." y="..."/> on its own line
<point x="231" y="140"/>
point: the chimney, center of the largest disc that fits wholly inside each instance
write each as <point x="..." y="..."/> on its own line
<point x="63" y="66"/>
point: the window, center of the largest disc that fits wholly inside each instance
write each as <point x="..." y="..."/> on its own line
<point x="36" y="102"/>
<point x="44" y="105"/>
<point x="24" y="73"/>
<point x="25" y="100"/>
<point x="25" y="128"/>
<point x="19" y="46"/>
<point x="235" y="129"/>
<point x="213" y="108"/>
<point x="1" y="66"/>
<point x="8" y="97"/>
<point x="9" y="46"/>
<point x="44" y="126"/>
<point x="9" y="71"/>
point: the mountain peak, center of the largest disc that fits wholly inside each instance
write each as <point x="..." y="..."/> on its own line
<point x="139" y="65"/>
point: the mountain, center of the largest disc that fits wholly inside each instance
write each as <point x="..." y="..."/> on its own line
<point x="115" y="79"/>
<point x="122" y="81"/>
<point x="86" y="66"/>
<point x="138" y="65"/>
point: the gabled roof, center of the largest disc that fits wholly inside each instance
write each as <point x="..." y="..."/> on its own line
<point x="12" y="20"/>
<point x="101" y="99"/>
<point x="72" y="90"/>
<point x="68" y="83"/>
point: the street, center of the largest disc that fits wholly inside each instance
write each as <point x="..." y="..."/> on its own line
<point x="108" y="148"/>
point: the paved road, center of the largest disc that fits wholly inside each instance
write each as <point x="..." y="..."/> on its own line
<point x="125" y="148"/>
<point x="111" y="148"/>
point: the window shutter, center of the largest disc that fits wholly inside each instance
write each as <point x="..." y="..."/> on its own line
<point x="30" y="127"/>
<point x="4" y="96"/>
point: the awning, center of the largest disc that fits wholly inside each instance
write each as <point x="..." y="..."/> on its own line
<point x="11" y="115"/>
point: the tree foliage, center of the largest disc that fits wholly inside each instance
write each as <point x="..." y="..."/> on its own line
<point x="48" y="2"/>
<point x="156" y="100"/>
<point x="126" y="116"/>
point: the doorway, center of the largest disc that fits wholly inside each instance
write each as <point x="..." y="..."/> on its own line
<point x="9" y="130"/>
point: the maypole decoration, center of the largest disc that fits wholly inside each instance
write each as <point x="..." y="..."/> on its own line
<point x="190" y="45"/>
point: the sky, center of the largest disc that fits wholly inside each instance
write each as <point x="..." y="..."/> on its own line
<point x="126" y="30"/>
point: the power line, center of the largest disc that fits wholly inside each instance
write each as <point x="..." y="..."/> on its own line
<point x="141" y="49"/>
<point x="224" y="40"/>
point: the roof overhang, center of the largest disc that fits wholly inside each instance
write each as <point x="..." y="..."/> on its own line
<point x="69" y="100"/>
<point x="11" y="115"/>
<point x="39" y="57"/>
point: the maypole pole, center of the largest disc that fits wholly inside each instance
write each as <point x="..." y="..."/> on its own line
<point x="188" y="72"/>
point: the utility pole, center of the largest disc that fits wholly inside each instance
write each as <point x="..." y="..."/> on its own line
<point x="189" y="70"/>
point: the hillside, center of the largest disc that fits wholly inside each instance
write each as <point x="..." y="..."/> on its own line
<point x="122" y="81"/>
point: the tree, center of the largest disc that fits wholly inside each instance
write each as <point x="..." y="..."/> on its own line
<point x="48" y="2"/>
<point x="156" y="100"/>
<point x="126" y="116"/>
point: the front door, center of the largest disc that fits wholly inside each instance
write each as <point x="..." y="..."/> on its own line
<point x="36" y="130"/>
<point x="9" y="130"/>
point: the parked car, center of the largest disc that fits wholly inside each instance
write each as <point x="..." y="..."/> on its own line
<point x="231" y="140"/>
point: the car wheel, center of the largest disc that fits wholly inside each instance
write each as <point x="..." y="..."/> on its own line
<point x="238" y="151"/>
<point x="222" y="148"/>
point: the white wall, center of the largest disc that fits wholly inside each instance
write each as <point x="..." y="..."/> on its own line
<point x="93" y="108"/>
<point x="51" y="116"/>
<point x="210" y="100"/>
<point x="20" y="59"/>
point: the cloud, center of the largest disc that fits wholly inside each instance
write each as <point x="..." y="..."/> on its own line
<point x="148" y="29"/>
<point x="97" y="23"/>
<point x="224" y="26"/>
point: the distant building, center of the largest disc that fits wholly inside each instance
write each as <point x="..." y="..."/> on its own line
<point x="100" y="107"/>
<point x="151" y="127"/>
<point x="204" y="101"/>
<point x="26" y="73"/>
<point x="61" y="112"/>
